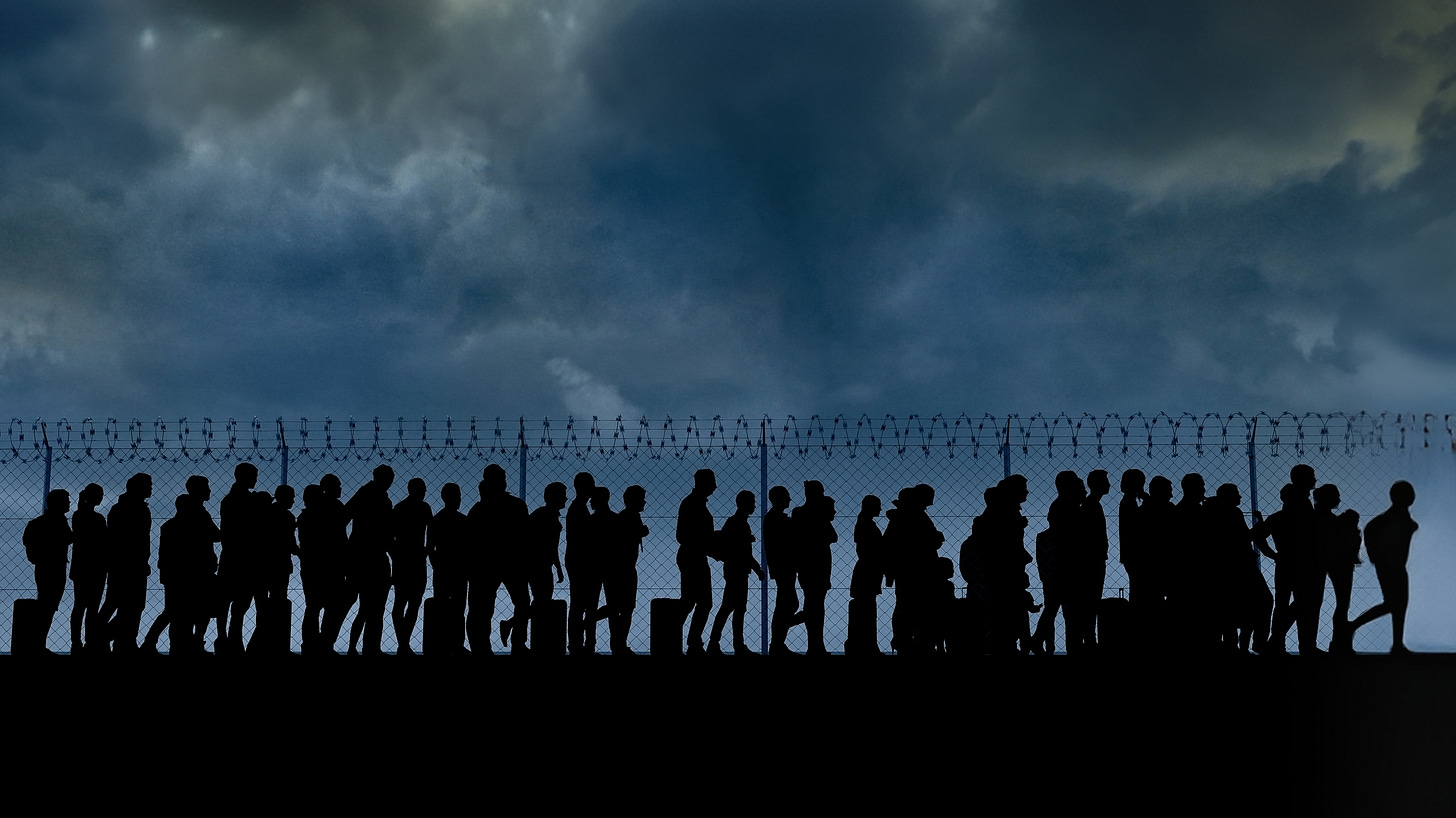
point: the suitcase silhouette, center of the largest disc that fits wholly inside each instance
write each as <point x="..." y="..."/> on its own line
<point x="1114" y="625"/>
<point x="25" y="635"/>
<point x="444" y="629"/>
<point x="665" y="627"/>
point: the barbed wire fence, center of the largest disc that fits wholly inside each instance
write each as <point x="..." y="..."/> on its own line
<point x="959" y="456"/>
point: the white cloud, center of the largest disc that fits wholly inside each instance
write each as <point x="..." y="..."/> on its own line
<point x="585" y="396"/>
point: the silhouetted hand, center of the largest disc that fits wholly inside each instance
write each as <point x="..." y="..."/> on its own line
<point x="1033" y="607"/>
<point x="1259" y="517"/>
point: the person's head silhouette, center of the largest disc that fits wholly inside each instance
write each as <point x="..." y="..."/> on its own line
<point x="450" y="496"/>
<point x="198" y="488"/>
<point x="384" y="476"/>
<point x="245" y="475"/>
<point x="635" y="499"/>
<point x="494" y="476"/>
<point x="1402" y="494"/>
<point x="705" y="482"/>
<point x="555" y="496"/>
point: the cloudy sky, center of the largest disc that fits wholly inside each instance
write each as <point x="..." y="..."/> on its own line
<point x="455" y="207"/>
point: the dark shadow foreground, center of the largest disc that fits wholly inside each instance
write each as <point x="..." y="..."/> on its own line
<point x="1341" y="735"/>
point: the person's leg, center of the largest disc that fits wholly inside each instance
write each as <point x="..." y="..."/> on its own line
<point x="719" y="619"/>
<point x="161" y="623"/>
<point x="786" y="604"/>
<point x="1399" y="596"/>
<point x="589" y="619"/>
<point x="519" y="591"/>
<point x="698" y="586"/>
<point x="482" y="609"/>
<point x="374" y="623"/>
<point x="814" y="619"/>
<point x="577" y="610"/>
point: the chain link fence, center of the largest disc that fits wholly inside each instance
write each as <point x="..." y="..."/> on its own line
<point x="958" y="456"/>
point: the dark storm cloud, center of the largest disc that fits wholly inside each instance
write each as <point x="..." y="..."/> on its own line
<point x="733" y="206"/>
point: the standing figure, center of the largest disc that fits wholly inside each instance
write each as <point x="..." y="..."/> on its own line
<point x="864" y="583"/>
<point x="313" y="553"/>
<point x="277" y="545"/>
<point x="695" y="538"/>
<point x="447" y="545"/>
<point x="1131" y="538"/>
<point x="1244" y="604"/>
<point x="544" y="555"/>
<point x="619" y="576"/>
<point x="1309" y="584"/>
<point x="47" y="540"/>
<point x="1387" y="541"/>
<point x="1055" y="559"/>
<point x="585" y="590"/>
<point x="605" y="549"/>
<point x="130" y="526"/>
<point x="1091" y="563"/>
<point x="88" y="568"/>
<point x="175" y="567"/>
<point x="339" y="588"/>
<point x="244" y="515"/>
<point x="1191" y="586"/>
<point x="500" y="522"/>
<point x="1286" y="556"/>
<point x="814" y="529"/>
<point x="779" y="549"/>
<point x="370" y="540"/>
<point x="1011" y="599"/>
<point x="411" y="523"/>
<point x="736" y="547"/>
<point x="1337" y="540"/>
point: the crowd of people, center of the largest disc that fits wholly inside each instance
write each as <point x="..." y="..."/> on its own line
<point x="1193" y="570"/>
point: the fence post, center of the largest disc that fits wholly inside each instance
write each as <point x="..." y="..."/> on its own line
<point x="1006" y="451"/>
<point x="1254" y="485"/>
<point x="522" y="483"/>
<point x="46" y="491"/>
<point x="283" y="454"/>
<point x="762" y="552"/>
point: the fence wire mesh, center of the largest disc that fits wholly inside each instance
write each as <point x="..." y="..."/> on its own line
<point x="958" y="456"/>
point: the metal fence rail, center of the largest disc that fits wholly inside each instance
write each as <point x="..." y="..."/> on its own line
<point x="958" y="455"/>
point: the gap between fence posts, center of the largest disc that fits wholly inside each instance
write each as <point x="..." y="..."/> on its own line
<point x="762" y="546"/>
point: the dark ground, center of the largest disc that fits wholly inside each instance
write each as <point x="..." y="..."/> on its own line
<point x="1355" y="735"/>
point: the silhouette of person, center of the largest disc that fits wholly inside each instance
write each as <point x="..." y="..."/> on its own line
<point x="1245" y="604"/>
<point x="586" y="586"/>
<point x="865" y="582"/>
<point x="736" y="546"/>
<point x="500" y="520"/>
<point x="544" y="556"/>
<point x="1158" y="516"/>
<point x="313" y="555"/>
<point x="814" y="530"/>
<point x="914" y="542"/>
<point x="411" y="523"/>
<point x="340" y="590"/>
<point x="1056" y="562"/>
<point x="277" y="545"/>
<point x="1387" y="542"/>
<point x="779" y="549"/>
<point x="1131" y="535"/>
<point x="47" y="539"/>
<point x="188" y="597"/>
<point x="1309" y="593"/>
<point x="976" y="569"/>
<point x="1003" y="537"/>
<point x="88" y="569"/>
<point x="1192" y="580"/>
<point x="605" y="546"/>
<point x="619" y="575"/>
<point x="244" y="513"/>
<point x="1281" y="527"/>
<point x="129" y="524"/>
<point x="1090" y="565"/>
<point x="447" y="546"/>
<point x="370" y="539"/>
<point x="1337" y="539"/>
<point x="695" y="538"/>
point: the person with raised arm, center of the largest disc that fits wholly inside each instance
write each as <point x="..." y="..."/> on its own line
<point x="694" y="536"/>
<point x="1387" y="542"/>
